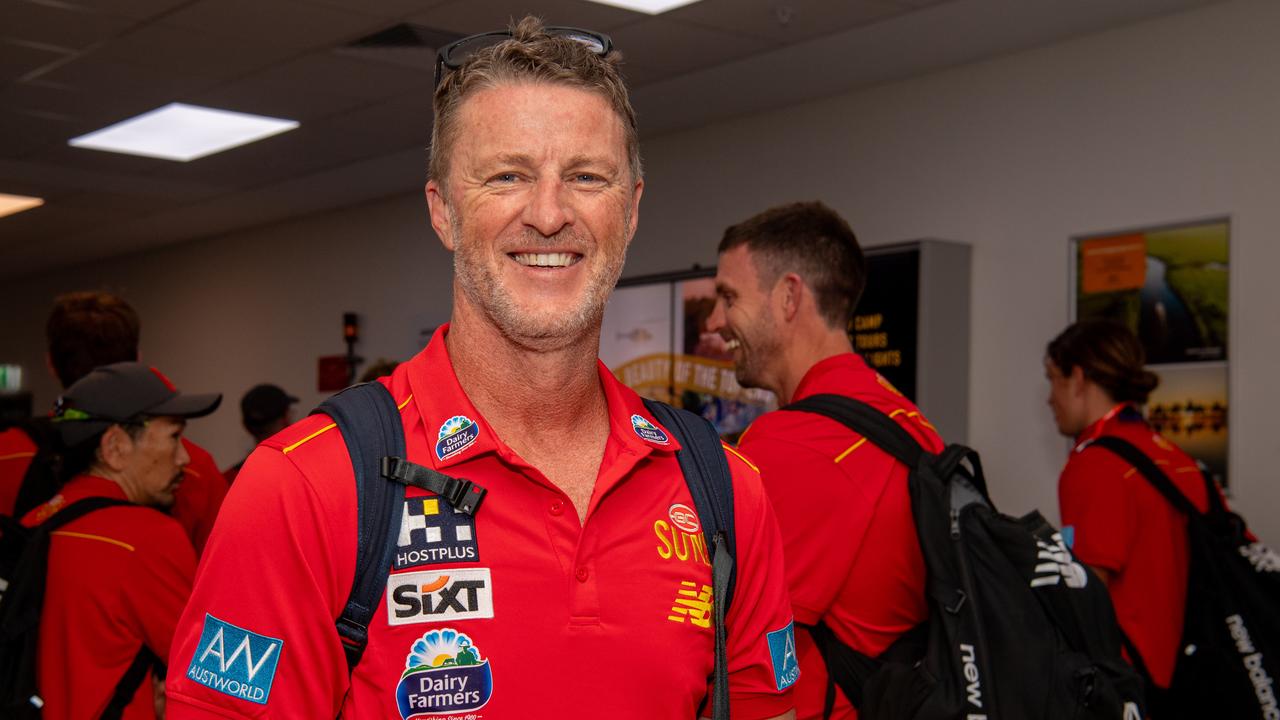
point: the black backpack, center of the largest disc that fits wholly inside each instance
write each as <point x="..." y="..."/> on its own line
<point x="44" y="476"/>
<point x="1230" y="658"/>
<point x="1017" y="628"/>
<point x="370" y="425"/>
<point x="24" y="559"/>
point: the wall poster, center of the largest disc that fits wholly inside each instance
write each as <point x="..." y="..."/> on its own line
<point x="1170" y="286"/>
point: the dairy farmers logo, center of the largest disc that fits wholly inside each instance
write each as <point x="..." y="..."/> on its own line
<point x="648" y="431"/>
<point x="456" y="434"/>
<point x="455" y="594"/>
<point x="444" y="674"/>
<point x="234" y="661"/>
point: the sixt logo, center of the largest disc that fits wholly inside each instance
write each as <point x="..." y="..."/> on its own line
<point x="456" y="594"/>
<point x="456" y="434"/>
<point x="648" y="431"/>
<point x="234" y="661"/>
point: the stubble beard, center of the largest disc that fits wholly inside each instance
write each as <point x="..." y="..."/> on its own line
<point x="540" y="329"/>
<point x="757" y="346"/>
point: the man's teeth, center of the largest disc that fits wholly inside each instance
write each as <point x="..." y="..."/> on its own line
<point x="545" y="259"/>
<point x="732" y="344"/>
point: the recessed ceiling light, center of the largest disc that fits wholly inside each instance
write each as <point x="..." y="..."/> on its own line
<point x="183" y="132"/>
<point x="10" y="204"/>
<point x="651" y="7"/>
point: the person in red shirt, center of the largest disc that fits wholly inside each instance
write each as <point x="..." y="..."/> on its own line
<point x="118" y="577"/>
<point x="1113" y="519"/>
<point x="87" y="330"/>
<point x="264" y="411"/>
<point x="786" y="287"/>
<point x="582" y="586"/>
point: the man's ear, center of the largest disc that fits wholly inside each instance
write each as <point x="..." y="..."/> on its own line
<point x="791" y="294"/>
<point x="441" y="219"/>
<point x="115" y="448"/>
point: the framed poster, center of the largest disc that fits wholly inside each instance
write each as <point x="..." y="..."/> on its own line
<point x="1170" y="286"/>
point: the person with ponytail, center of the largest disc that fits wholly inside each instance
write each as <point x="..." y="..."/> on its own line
<point x="1112" y="518"/>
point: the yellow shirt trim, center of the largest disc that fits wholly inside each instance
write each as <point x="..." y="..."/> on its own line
<point x="850" y="449"/>
<point x="86" y="536"/>
<point x="329" y="427"/>
<point x="16" y="456"/>
<point x="741" y="457"/>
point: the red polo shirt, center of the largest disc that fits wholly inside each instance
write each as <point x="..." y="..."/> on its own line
<point x="118" y="579"/>
<point x="195" y="504"/>
<point x="853" y="557"/>
<point x="1118" y="522"/>
<point x="520" y="611"/>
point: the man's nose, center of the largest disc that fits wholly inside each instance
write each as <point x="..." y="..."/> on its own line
<point x="549" y="209"/>
<point x="716" y="321"/>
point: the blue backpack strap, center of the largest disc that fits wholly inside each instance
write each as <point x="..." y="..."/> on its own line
<point x="706" y="471"/>
<point x="370" y="424"/>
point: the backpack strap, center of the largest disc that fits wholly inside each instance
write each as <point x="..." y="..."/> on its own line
<point x="369" y="421"/>
<point x="129" y="683"/>
<point x="879" y="428"/>
<point x="1152" y="472"/>
<point x="706" y="471"/>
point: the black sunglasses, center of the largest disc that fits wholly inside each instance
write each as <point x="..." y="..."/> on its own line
<point x="453" y="55"/>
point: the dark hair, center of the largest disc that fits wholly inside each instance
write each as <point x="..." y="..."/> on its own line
<point x="1109" y="354"/>
<point x="530" y="55"/>
<point x="811" y="240"/>
<point x="89" y="329"/>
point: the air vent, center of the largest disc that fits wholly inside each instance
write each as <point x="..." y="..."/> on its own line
<point x="404" y="44"/>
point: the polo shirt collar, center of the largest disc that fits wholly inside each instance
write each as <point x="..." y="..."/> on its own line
<point x="1124" y="412"/>
<point x="457" y="432"/>
<point x="830" y="374"/>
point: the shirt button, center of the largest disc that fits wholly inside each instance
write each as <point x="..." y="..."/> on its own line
<point x="556" y="508"/>
<point x="582" y="574"/>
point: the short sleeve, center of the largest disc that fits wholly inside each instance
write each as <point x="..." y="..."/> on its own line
<point x="1097" y="508"/>
<point x="258" y="637"/>
<point x="160" y="585"/>
<point x="761" y="643"/>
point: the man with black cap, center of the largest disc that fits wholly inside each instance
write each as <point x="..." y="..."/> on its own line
<point x="118" y="577"/>
<point x="265" y="410"/>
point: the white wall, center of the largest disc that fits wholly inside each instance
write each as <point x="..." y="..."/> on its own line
<point x="1170" y="120"/>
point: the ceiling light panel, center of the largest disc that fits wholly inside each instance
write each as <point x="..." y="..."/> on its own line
<point x="183" y="132"/>
<point x="10" y="204"/>
<point x="651" y="7"/>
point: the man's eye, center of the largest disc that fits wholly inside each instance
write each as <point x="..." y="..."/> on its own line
<point x="504" y="178"/>
<point x="587" y="178"/>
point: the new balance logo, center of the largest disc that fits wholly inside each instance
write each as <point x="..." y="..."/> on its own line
<point x="1056" y="565"/>
<point x="1263" y="683"/>
<point x="973" y="690"/>
<point x="1262" y="558"/>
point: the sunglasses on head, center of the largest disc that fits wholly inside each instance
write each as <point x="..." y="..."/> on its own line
<point x="453" y="55"/>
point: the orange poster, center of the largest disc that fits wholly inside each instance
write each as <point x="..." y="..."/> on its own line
<point x="1113" y="263"/>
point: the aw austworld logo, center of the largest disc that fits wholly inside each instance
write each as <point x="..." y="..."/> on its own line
<point x="444" y="674"/>
<point x="235" y="661"/>
<point x="456" y="434"/>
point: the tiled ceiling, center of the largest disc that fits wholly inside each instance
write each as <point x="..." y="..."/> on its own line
<point x="71" y="66"/>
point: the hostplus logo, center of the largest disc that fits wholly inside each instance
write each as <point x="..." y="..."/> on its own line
<point x="431" y="532"/>
<point x="455" y="594"/>
<point x="444" y="674"/>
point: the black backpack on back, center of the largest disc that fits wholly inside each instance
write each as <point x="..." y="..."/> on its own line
<point x="370" y="424"/>
<point x="1230" y="658"/>
<point x="44" y="474"/>
<point x="24" y="559"/>
<point x="1017" y="628"/>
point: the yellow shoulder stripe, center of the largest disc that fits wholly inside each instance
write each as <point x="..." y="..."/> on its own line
<point x="329" y="427"/>
<point x="741" y="457"/>
<point x="87" y="536"/>
<point x="850" y="449"/>
<point x="16" y="456"/>
<point x="914" y="415"/>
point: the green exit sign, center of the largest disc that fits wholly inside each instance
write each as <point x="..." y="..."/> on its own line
<point x="10" y="378"/>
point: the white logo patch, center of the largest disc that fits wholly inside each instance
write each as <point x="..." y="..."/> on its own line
<point x="1057" y="565"/>
<point x="439" y="595"/>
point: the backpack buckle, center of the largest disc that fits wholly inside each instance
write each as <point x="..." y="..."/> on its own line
<point x="464" y="495"/>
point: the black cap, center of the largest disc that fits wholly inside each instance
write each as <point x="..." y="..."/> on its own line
<point x="264" y="404"/>
<point x="123" y="392"/>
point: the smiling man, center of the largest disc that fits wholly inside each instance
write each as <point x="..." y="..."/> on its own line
<point x="564" y="595"/>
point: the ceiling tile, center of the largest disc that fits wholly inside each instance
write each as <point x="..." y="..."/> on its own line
<point x="286" y="24"/>
<point x="672" y="48"/>
<point x="155" y="84"/>
<point x="18" y="59"/>
<point x="22" y="134"/>
<point x="390" y="10"/>
<point x="189" y="52"/>
<point x="468" y="17"/>
<point x="72" y="105"/>
<point x="788" y="21"/>
<point x="59" y="24"/>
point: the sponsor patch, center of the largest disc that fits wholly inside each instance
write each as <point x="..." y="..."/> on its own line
<point x="683" y="517"/>
<point x="782" y="653"/>
<point x="431" y="532"/>
<point x="1055" y="564"/>
<point x="235" y="661"/>
<point x="439" y="595"/>
<point x="648" y="431"/>
<point x="456" y="434"/>
<point x="444" y="674"/>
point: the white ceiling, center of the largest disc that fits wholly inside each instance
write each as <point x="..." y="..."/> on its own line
<point x="69" y="67"/>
